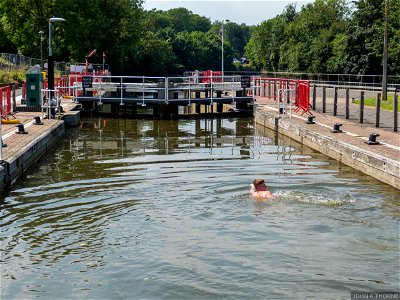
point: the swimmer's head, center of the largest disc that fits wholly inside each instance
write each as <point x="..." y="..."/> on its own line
<point x="259" y="184"/>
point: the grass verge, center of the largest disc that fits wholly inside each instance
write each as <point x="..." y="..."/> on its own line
<point x="386" y="105"/>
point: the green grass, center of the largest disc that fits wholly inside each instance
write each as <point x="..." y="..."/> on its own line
<point x="12" y="76"/>
<point x="386" y="105"/>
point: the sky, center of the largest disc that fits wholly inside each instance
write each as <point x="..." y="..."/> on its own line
<point x="239" y="11"/>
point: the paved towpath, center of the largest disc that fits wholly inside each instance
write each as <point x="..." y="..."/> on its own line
<point x="354" y="133"/>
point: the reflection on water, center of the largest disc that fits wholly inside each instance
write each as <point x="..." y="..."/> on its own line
<point x="160" y="209"/>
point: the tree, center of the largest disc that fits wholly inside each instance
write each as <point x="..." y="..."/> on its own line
<point x="268" y="41"/>
<point x="113" y="27"/>
<point x="236" y="35"/>
<point x="177" y="20"/>
<point x="156" y="56"/>
<point x="364" y="48"/>
<point x="199" y="50"/>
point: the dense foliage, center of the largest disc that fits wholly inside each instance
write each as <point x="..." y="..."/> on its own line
<point x="328" y="36"/>
<point x="335" y="36"/>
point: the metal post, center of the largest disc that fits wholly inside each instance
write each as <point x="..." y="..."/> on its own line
<point x="222" y="48"/>
<point x="50" y="66"/>
<point x="347" y="102"/>
<point x="335" y="101"/>
<point x="14" y="99"/>
<point x="166" y="89"/>
<point x="378" y="109"/>
<point x="143" y="90"/>
<point x="395" y="111"/>
<point x="1" y="144"/>
<point x="324" y="99"/>
<point x="314" y="98"/>
<point x="121" y="91"/>
<point x="385" y="52"/>
<point x="41" y="48"/>
<point x="269" y="89"/>
<point x="50" y="59"/>
<point x="362" y="107"/>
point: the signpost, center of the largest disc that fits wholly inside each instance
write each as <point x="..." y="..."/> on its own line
<point x="87" y="83"/>
<point x="245" y="81"/>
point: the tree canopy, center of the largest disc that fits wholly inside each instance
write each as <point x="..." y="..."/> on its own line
<point x="328" y="36"/>
<point x="324" y="36"/>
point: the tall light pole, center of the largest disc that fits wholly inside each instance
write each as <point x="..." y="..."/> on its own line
<point x="385" y="52"/>
<point x="222" y="47"/>
<point x="50" y="60"/>
<point x="41" y="49"/>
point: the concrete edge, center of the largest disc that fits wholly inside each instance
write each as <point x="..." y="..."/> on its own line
<point x="31" y="153"/>
<point x="372" y="164"/>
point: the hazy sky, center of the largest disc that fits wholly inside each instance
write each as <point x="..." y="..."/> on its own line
<point x="238" y="11"/>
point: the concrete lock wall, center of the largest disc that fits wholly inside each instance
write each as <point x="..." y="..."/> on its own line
<point x="372" y="164"/>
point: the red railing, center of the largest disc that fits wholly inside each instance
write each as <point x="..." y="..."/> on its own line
<point x="280" y="89"/>
<point x="5" y="101"/>
<point x="207" y="76"/>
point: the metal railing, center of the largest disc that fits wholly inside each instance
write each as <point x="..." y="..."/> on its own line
<point x="141" y="89"/>
<point x="351" y="80"/>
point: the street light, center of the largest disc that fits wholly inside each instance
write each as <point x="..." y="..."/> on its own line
<point x="385" y="52"/>
<point x="222" y="47"/>
<point x="50" y="60"/>
<point x="41" y="48"/>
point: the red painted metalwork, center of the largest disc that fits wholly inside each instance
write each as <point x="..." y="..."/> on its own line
<point x="5" y="101"/>
<point x="300" y="98"/>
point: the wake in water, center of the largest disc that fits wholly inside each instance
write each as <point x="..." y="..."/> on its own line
<point x="313" y="198"/>
<point x="294" y="196"/>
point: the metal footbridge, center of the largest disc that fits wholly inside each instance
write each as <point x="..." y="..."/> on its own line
<point x="143" y="90"/>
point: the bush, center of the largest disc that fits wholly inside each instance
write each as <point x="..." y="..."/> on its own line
<point x="12" y="76"/>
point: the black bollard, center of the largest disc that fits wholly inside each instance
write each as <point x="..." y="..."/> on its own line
<point x="336" y="128"/>
<point x="37" y="121"/>
<point x="21" y="129"/>
<point x="281" y="111"/>
<point x="372" y="139"/>
<point x="310" y="120"/>
<point x="2" y="144"/>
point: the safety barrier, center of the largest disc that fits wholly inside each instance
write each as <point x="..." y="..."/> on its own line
<point x="143" y="90"/>
<point x="5" y="101"/>
<point x="207" y="76"/>
<point x="294" y="91"/>
<point x="303" y="97"/>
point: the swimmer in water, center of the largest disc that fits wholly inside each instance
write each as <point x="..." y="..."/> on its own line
<point x="259" y="189"/>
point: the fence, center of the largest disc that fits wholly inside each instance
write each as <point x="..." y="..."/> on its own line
<point x="340" y="101"/>
<point x="5" y="101"/>
<point x="15" y="61"/>
<point x="296" y="92"/>
<point x="339" y="79"/>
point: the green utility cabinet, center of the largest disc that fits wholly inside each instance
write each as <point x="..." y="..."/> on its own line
<point x="34" y="86"/>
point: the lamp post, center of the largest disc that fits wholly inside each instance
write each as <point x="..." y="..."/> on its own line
<point x="222" y="47"/>
<point x="41" y="49"/>
<point x="50" y="60"/>
<point x="385" y="52"/>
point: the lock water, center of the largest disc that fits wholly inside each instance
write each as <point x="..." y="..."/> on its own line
<point x="147" y="209"/>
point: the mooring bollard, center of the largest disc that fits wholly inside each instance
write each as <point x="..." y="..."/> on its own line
<point x="372" y="139"/>
<point x="310" y="120"/>
<point x="336" y="128"/>
<point x="21" y="129"/>
<point x="37" y="121"/>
